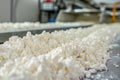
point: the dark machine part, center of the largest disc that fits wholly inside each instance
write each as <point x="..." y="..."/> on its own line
<point x="47" y="8"/>
<point x="60" y="4"/>
<point x="48" y="11"/>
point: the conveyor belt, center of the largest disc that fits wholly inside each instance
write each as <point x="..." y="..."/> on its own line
<point x="5" y="35"/>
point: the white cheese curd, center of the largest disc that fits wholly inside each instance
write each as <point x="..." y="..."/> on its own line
<point x="41" y="43"/>
<point x="60" y="55"/>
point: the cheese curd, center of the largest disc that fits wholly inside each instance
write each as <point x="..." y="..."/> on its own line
<point x="41" y="43"/>
<point x="52" y="56"/>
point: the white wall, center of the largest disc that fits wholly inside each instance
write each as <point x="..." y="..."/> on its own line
<point x="4" y="10"/>
<point x="26" y="10"/>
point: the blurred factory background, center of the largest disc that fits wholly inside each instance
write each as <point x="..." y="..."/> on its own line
<point x="20" y="16"/>
<point x="59" y="10"/>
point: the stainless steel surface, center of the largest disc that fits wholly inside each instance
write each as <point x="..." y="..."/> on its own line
<point x="102" y="15"/>
<point x="108" y="3"/>
<point x="113" y="65"/>
<point x="105" y="1"/>
<point x="85" y="10"/>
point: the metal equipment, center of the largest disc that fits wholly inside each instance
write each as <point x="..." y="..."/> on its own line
<point x="49" y="9"/>
<point x="13" y="11"/>
<point x="90" y="10"/>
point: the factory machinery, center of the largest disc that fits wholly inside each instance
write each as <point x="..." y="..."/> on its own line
<point x="91" y="10"/>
